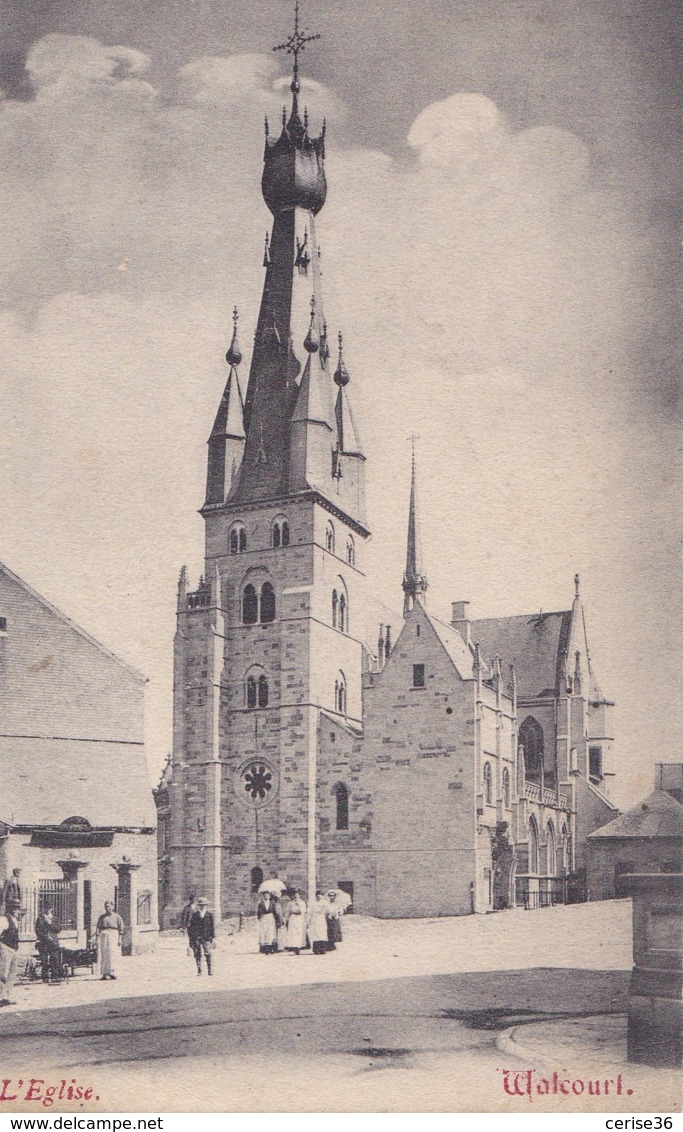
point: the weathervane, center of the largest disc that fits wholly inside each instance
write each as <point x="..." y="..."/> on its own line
<point x="296" y="43"/>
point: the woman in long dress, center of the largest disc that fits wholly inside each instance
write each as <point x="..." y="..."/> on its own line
<point x="268" y="921"/>
<point x="334" y="915"/>
<point x="316" y="921"/>
<point x="296" y="925"/>
<point x="109" y="933"/>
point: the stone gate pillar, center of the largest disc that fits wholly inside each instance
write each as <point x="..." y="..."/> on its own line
<point x="128" y="903"/>
<point x="74" y="870"/>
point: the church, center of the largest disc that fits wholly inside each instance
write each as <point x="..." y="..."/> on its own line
<point x="457" y="769"/>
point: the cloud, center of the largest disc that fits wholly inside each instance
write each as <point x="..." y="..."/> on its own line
<point x="447" y="130"/>
<point x="61" y="63"/>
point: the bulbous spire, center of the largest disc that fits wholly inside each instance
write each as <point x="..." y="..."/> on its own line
<point x="234" y="354"/>
<point x="341" y="374"/>
<point x="293" y="173"/>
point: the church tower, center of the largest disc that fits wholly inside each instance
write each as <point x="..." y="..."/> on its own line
<point x="272" y="635"/>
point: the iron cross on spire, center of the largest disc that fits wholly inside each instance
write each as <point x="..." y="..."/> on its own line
<point x="296" y="43"/>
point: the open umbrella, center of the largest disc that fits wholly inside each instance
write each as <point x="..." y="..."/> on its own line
<point x="273" y="885"/>
<point x="342" y="900"/>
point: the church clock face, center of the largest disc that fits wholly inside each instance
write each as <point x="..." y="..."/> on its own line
<point x="256" y="783"/>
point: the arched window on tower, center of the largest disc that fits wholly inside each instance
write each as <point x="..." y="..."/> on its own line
<point x="506" y="788"/>
<point x="238" y="538"/>
<point x="277" y="535"/>
<point x="343" y="614"/>
<point x="340" y="694"/>
<point x="488" y="784"/>
<point x="249" y="605"/>
<point x="329" y="538"/>
<point x="341" y="794"/>
<point x="267" y="602"/>
<point x="285" y="533"/>
<point x="251" y="692"/>
<point x="350" y="552"/>
<point x="262" y="691"/>
<point x="335" y="604"/>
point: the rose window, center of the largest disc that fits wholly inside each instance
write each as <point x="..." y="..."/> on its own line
<point x="256" y="782"/>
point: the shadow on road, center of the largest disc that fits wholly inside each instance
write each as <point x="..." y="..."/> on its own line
<point x="391" y="1018"/>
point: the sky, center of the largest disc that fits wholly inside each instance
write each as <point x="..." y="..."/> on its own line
<point x="501" y="248"/>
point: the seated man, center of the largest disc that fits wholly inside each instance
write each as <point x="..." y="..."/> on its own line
<point x="47" y="942"/>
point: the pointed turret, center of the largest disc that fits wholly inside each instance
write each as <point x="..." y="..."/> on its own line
<point x="347" y="431"/>
<point x="226" y="443"/>
<point x="311" y="428"/>
<point x="414" y="581"/>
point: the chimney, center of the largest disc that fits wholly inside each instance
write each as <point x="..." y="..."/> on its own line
<point x="380" y="648"/>
<point x="387" y="643"/>
<point x="460" y="620"/>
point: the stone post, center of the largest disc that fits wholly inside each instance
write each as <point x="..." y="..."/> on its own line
<point x="655" y="1009"/>
<point x="128" y="903"/>
<point x="74" y="870"/>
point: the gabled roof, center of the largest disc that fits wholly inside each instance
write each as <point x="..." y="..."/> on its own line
<point x="72" y="624"/>
<point x="460" y="655"/>
<point x="45" y="781"/>
<point x="534" y="643"/>
<point x="658" y="815"/>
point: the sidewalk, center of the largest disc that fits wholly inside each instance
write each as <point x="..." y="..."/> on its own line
<point x="593" y="937"/>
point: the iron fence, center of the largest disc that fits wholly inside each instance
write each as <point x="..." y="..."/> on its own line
<point x="48" y="893"/>
<point x="541" y="891"/>
<point x="144" y="907"/>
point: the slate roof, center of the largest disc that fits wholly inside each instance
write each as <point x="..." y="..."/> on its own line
<point x="532" y="642"/>
<point x="44" y="781"/>
<point x="72" y="624"/>
<point x="658" y="815"/>
<point x="457" y="650"/>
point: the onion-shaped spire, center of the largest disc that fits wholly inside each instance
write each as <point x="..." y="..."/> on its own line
<point x="312" y="341"/>
<point x="234" y="354"/>
<point x="341" y="374"/>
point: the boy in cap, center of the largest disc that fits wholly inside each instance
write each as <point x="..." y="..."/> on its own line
<point x="200" y="932"/>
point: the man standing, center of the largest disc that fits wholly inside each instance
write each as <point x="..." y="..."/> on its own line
<point x="9" y="950"/>
<point x="188" y="911"/>
<point x="200" y="932"/>
<point x="11" y="889"/>
<point x="47" y="942"/>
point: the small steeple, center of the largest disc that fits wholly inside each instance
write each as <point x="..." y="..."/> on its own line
<point x="414" y="581"/>
<point x="348" y="438"/>
<point x="226" y="443"/>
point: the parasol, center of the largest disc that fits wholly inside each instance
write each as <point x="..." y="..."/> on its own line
<point x="273" y="885"/>
<point x="342" y="900"/>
